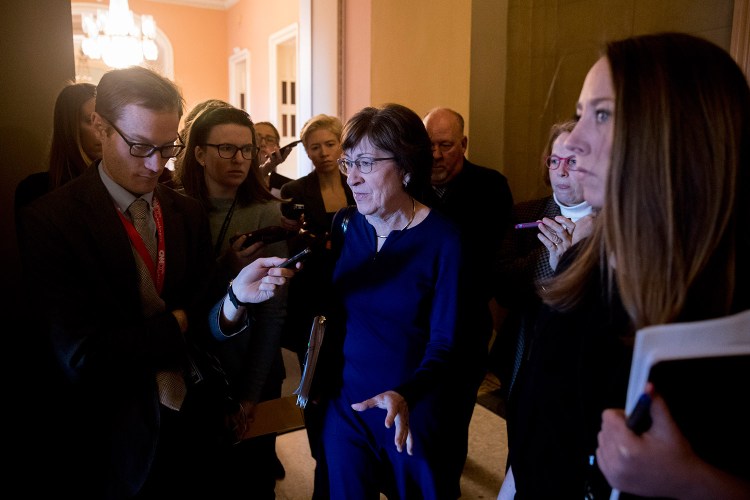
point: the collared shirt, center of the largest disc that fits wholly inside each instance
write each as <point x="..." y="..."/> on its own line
<point x="122" y="198"/>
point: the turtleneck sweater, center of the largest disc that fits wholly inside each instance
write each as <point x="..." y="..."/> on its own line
<point x="574" y="212"/>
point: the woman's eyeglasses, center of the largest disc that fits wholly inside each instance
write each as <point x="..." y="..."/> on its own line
<point x="363" y="164"/>
<point x="554" y="161"/>
<point x="228" y="151"/>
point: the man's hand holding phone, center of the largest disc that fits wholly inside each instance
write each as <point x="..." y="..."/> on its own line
<point x="277" y="157"/>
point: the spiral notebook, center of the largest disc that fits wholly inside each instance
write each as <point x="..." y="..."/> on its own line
<point x="311" y="359"/>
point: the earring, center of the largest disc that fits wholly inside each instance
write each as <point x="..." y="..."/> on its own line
<point x="406" y="180"/>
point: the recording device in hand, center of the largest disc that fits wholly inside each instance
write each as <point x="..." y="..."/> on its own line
<point x="291" y="262"/>
<point x="285" y="150"/>
<point x="292" y="210"/>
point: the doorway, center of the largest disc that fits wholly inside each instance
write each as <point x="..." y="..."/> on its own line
<point x="239" y="79"/>
<point x="284" y="95"/>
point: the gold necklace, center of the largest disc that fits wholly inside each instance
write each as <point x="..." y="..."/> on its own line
<point x="413" y="213"/>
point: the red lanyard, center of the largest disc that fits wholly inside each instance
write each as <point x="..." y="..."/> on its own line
<point x="157" y="271"/>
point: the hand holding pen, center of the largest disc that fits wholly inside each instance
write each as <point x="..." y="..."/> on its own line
<point x="555" y="234"/>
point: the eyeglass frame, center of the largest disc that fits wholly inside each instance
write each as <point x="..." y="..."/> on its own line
<point x="344" y="167"/>
<point x="562" y="160"/>
<point x="236" y="148"/>
<point x="152" y="148"/>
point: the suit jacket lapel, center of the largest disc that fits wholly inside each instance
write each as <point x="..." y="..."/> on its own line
<point x="109" y="235"/>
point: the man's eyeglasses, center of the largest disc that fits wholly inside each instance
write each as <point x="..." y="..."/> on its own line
<point x="228" y="151"/>
<point x="141" y="150"/>
<point x="363" y="164"/>
<point x="554" y="161"/>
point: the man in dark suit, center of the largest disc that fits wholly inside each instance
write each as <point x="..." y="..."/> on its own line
<point x="478" y="200"/>
<point x="122" y="302"/>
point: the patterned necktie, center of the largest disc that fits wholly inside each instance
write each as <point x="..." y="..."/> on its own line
<point x="139" y="213"/>
<point x="171" y="383"/>
<point x="440" y="191"/>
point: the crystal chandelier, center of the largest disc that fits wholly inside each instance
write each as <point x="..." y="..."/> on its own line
<point x="114" y="37"/>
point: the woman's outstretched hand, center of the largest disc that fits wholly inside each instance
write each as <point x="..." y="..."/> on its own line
<point x="397" y="411"/>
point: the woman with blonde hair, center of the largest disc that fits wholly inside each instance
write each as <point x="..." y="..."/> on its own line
<point x="317" y="196"/>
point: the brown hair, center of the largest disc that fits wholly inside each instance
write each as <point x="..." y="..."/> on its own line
<point x="670" y="236"/>
<point x="276" y="131"/>
<point x="190" y="117"/>
<point x="399" y="131"/>
<point x="190" y="174"/>
<point x="67" y="159"/>
<point x="136" y="85"/>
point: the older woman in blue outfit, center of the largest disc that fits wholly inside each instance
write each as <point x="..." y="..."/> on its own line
<point x="397" y="277"/>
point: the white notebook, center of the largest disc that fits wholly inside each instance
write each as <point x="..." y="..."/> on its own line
<point x="698" y="342"/>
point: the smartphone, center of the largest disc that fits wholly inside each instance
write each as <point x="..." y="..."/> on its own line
<point x="284" y="151"/>
<point x="291" y="262"/>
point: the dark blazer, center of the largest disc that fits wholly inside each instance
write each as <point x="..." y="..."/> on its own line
<point x="524" y="260"/>
<point x="478" y="200"/>
<point x="310" y="290"/>
<point x="306" y="190"/>
<point x="523" y="263"/>
<point x="81" y="270"/>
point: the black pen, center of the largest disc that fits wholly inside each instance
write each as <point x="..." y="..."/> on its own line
<point x="639" y="420"/>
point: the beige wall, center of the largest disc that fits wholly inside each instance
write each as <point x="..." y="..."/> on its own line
<point x="489" y="67"/>
<point x="201" y="47"/>
<point x="421" y="53"/>
<point x="249" y="25"/>
<point x="325" y="58"/>
<point x="204" y="39"/>
<point x="357" y="56"/>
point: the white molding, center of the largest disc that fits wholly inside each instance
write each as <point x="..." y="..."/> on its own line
<point x="304" y="78"/>
<point x="275" y="39"/>
<point x="239" y="56"/>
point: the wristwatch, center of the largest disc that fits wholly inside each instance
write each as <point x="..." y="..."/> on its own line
<point x="233" y="298"/>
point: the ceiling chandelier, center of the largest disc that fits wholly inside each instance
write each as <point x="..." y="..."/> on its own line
<point x="114" y="36"/>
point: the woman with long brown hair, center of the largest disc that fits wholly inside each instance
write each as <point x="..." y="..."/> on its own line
<point x="663" y="148"/>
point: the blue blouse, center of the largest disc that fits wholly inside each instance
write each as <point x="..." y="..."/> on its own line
<point x="401" y="307"/>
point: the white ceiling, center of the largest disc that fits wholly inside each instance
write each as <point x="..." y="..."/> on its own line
<point x="205" y="4"/>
